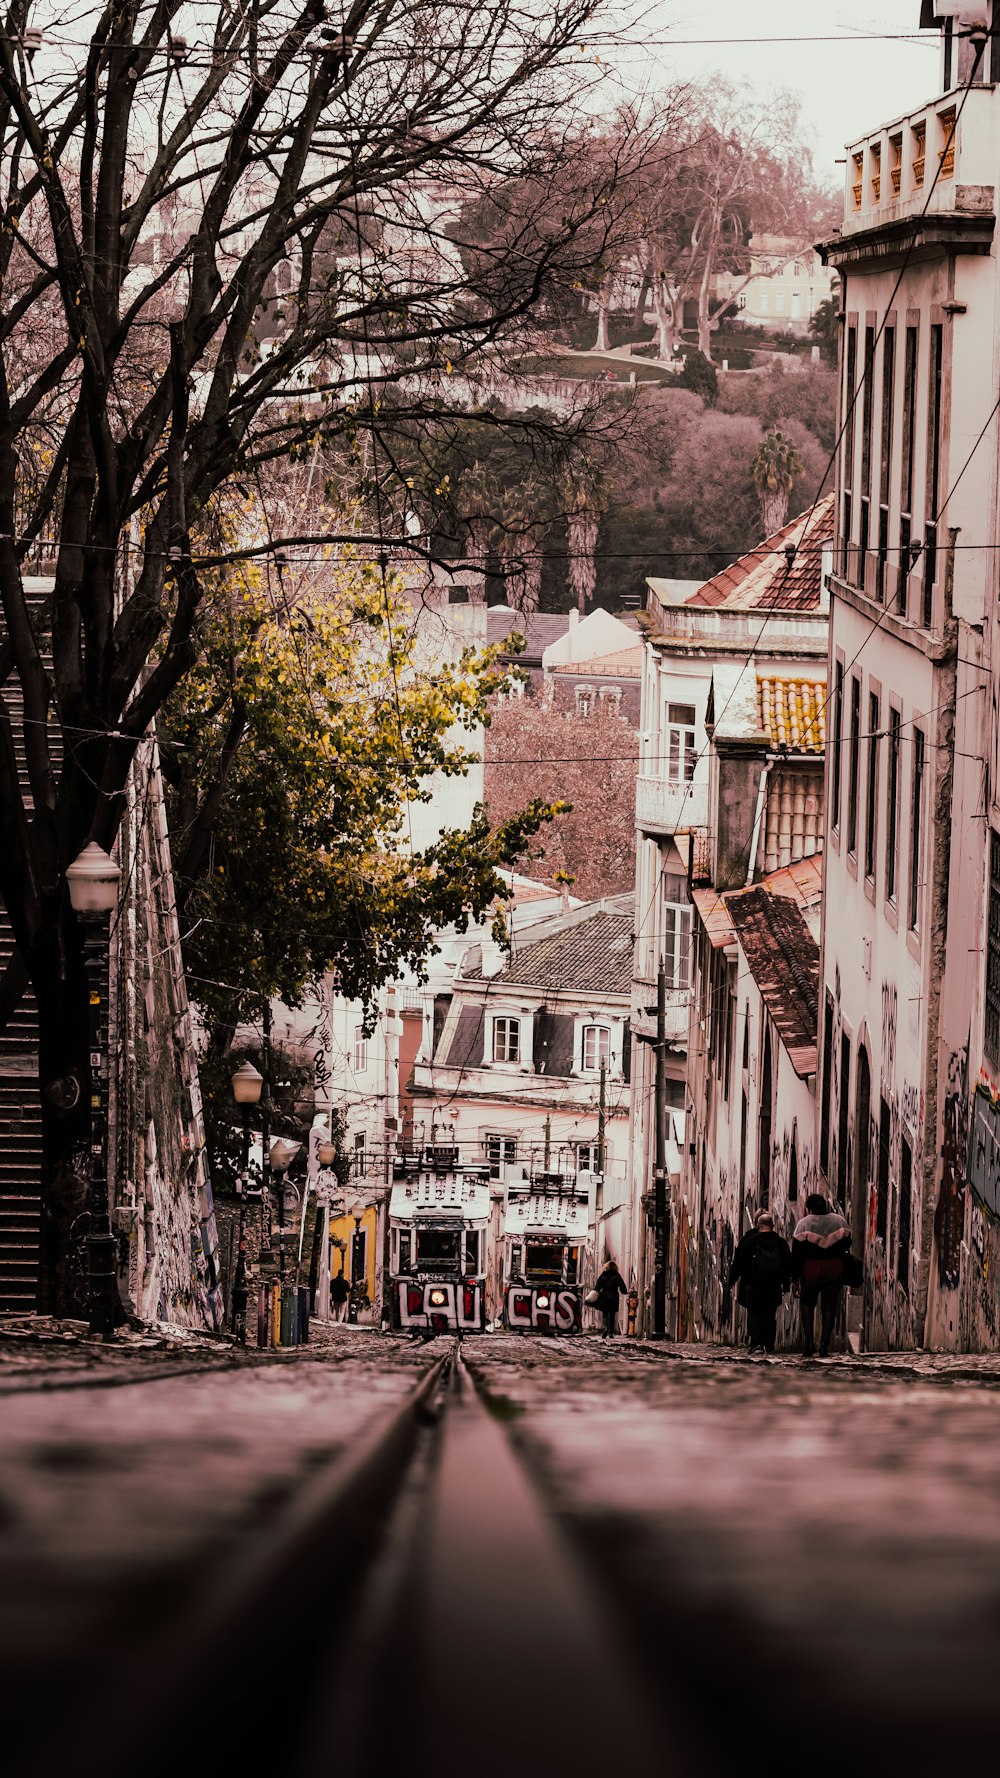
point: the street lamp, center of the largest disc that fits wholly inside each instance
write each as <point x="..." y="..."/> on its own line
<point x="282" y="1153"/>
<point x="358" y="1213"/>
<point x="92" y="880"/>
<point x="247" y="1086"/>
<point x="326" y="1154"/>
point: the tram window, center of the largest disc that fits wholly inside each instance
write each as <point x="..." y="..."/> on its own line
<point x="516" y="1261"/>
<point x="438" y="1247"/>
<point x="572" y="1265"/>
<point x="543" y="1259"/>
<point x="471" y="1252"/>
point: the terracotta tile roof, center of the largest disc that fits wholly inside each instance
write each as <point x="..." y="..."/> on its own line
<point x="581" y="955"/>
<point x="763" y="578"/>
<point x="784" y="962"/>
<point x="800" y="883"/>
<point x="793" y="713"/>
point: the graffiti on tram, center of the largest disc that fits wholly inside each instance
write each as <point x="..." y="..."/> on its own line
<point x="444" y="1307"/>
<point x="531" y="1309"/>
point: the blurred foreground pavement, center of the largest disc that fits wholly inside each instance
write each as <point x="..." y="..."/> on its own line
<point x="798" y="1563"/>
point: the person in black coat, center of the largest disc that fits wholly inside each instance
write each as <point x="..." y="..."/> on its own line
<point x="609" y="1287"/>
<point x="762" y="1270"/>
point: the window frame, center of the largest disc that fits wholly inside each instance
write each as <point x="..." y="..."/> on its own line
<point x="885" y="454"/>
<point x="911" y="363"/>
<point x="677" y="929"/>
<point x="918" y="773"/>
<point x="682" y="743"/>
<point x="501" y="1159"/>
<point x="360" y="1057"/>
<point x="854" y="766"/>
<point x="512" y="1036"/>
<point x="837" y="751"/>
<point x="602" y="1061"/>
<point x="872" y="782"/>
<point x="935" y="391"/>
<point x="893" y="803"/>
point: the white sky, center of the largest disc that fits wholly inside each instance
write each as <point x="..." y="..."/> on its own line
<point x="846" y="87"/>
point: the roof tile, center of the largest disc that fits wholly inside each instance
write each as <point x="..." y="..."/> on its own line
<point x="765" y="578"/>
<point x="793" y="713"/>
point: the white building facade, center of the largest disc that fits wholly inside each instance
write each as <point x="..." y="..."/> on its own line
<point x="909" y="1055"/>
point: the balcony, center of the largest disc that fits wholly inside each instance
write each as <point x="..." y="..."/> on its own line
<point x="913" y="149"/>
<point x="642" y="1014"/>
<point x="665" y="807"/>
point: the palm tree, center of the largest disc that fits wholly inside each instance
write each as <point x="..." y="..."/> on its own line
<point x="774" y="469"/>
<point x="585" y="502"/>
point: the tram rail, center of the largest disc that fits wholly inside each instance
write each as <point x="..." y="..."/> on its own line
<point x="413" y="1604"/>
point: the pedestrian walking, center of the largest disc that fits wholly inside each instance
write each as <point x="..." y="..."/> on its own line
<point x="340" y="1291"/>
<point x="762" y="1272"/>
<point x="821" y="1242"/>
<point x="609" y="1287"/>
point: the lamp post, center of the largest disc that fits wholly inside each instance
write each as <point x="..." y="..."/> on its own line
<point x="358" y="1213"/>
<point x="326" y="1154"/>
<point x="92" y="880"/>
<point x="247" y="1085"/>
<point x="282" y="1153"/>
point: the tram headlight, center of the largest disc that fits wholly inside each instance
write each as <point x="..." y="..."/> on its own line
<point x="542" y="1301"/>
<point x="438" y="1299"/>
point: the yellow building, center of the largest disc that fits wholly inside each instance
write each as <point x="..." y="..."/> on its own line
<point x="354" y="1248"/>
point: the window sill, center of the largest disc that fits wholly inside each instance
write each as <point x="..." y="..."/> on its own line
<point x="891" y="914"/>
<point x="852" y="864"/>
<point x="869" y="888"/>
<point x="913" y="943"/>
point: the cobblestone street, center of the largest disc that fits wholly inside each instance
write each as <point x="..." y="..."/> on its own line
<point x="765" y="1541"/>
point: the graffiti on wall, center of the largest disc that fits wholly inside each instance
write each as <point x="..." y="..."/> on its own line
<point x="984" y="1150"/>
<point x="949" y="1217"/>
<point x="443" y="1307"/>
<point x="539" y="1310"/>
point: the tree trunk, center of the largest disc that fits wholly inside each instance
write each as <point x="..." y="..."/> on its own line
<point x="64" y="1089"/>
<point x="533" y="581"/>
<point x="584" y="526"/>
<point x="641" y="300"/>
<point x="665" y="310"/>
<point x="477" y="532"/>
<point x="603" y="342"/>
<point x="773" y="509"/>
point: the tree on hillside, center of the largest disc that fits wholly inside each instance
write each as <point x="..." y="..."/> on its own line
<point x="774" y="469"/>
<point x="536" y="750"/>
<point x="211" y="258"/>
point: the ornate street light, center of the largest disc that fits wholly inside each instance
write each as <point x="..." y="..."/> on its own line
<point x="358" y="1213"/>
<point x="247" y="1087"/>
<point x="92" y="880"/>
<point x="282" y="1153"/>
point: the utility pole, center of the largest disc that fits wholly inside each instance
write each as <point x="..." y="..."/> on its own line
<point x="265" y="1121"/>
<point x="602" y="1119"/>
<point x="660" y="1163"/>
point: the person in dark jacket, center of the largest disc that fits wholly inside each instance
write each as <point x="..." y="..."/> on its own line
<point x="820" y="1242"/>
<point x="609" y="1287"/>
<point x="340" y="1292"/>
<point x="762" y="1271"/>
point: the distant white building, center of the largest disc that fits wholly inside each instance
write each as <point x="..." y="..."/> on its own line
<point x="787" y="283"/>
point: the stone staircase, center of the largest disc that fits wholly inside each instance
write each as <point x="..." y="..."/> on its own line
<point x="20" y="1112"/>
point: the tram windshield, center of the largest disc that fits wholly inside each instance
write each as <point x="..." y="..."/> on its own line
<point x="438" y="1250"/>
<point x="543" y="1260"/>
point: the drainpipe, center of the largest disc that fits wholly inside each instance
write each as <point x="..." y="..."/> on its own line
<point x="758" y="821"/>
<point x="943" y="745"/>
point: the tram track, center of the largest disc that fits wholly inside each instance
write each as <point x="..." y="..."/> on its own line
<point x="413" y="1601"/>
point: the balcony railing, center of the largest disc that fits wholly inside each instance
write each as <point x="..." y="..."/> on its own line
<point x="642" y="1015"/>
<point x="957" y="146"/>
<point x="662" y="806"/>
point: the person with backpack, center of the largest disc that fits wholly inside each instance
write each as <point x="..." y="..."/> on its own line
<point x="608" y="1288"/>
<point x="762" y="1270"/>
<point x="821" y="1266"/>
